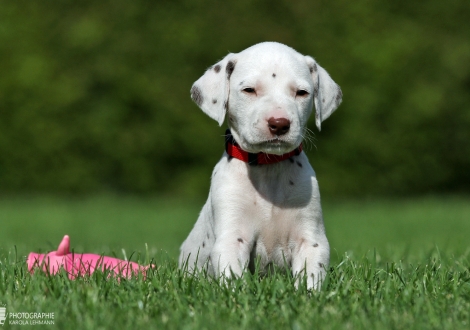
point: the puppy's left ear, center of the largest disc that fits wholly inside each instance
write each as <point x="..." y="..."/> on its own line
<point x="327" y="94"/>
<point x="210" y="92"/>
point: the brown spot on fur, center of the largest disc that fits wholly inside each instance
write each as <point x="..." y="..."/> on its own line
<point x="240" y="240"/>
<point x="196" y="95"/>
<point x="217" y="68"/>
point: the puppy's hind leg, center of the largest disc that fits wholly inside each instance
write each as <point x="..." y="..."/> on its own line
<point x="195" y="250"/>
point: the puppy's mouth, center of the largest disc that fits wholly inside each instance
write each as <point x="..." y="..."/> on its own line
<point x="276" y="146"/>
<point x="275" y="142"/>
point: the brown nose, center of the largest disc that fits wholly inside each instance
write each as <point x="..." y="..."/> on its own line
<point x="278" y="126"/>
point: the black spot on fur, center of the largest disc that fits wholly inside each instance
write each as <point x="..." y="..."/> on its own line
<point x="241" y="83"/>
<point x="208" y="235"/>
<point x="323" y="100"/>
<point x="225" y="105"/>
<point x="229" y="68"/>
<point x="315" y="68"/>
<point x="203" y="244"/>
<point x="320" y="264"/>
<point x="214" y="101"/>
<point x="217" y="68"/>
<point x="274" y="75"/>
<point x="299" y="164"/>
<point x="315" y="245"/>
<point x="291" y="183"/>
<point x="240" y="240"/>
<point x="315" y="90"/>
<point x="291" y="159"/>
<point x="196" y="95"/>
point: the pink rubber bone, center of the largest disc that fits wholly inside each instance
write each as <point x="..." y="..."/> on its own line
<point x="76" y="264"/>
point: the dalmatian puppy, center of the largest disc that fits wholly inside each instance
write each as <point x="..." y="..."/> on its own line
<point x="264" y="202"/>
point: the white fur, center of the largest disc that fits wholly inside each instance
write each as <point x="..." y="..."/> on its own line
<point x="271" y="213"/>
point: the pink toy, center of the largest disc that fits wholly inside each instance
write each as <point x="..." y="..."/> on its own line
<point x="81" y="264"/>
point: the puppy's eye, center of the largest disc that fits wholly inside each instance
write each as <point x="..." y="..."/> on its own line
<point x="249" y="90"/>
<point x="301" y="92"/>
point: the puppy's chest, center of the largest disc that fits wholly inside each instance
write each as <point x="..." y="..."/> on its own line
<point x="274" y="205"/>
<point x="275" y="215"/>
<point x="274" y="229"/>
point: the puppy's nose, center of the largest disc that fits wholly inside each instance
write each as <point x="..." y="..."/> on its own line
<point x="278" y="126"/>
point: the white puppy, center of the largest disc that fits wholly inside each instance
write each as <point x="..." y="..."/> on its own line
<point x="264" y="202"/>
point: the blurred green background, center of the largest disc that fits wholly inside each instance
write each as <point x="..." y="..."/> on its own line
<point x="94" y="104"/>
<point x="94" y="95"/>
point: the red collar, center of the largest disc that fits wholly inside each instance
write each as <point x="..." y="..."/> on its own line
<point x="233" y="149"/>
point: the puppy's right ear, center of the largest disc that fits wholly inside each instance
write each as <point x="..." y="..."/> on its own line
<point x="210" y="92"/>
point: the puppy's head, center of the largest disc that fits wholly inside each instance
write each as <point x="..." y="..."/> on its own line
<point x="268" y="92"/>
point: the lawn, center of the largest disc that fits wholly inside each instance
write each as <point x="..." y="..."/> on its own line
<point x="396" y="264"/>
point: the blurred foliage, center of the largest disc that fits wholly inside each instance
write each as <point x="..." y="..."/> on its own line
<point x="94" y="95"/>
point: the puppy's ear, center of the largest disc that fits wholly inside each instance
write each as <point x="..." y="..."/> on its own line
<point x="210" y="92"/>
<point x="327" y="94"/>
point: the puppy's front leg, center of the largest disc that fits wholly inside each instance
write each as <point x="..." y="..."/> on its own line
<point x="230" y="255"/>
<point x="312" y="260"/>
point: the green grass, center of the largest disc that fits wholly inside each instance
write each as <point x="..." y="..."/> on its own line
<point x="396" y="264"/>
